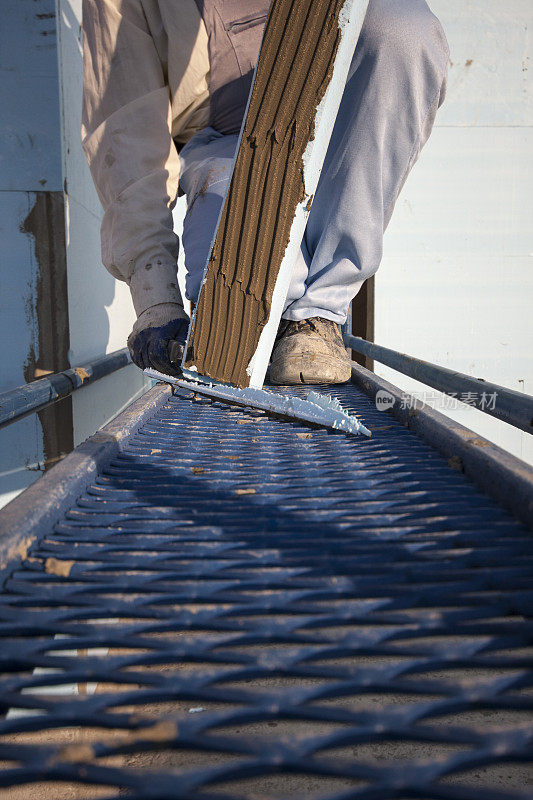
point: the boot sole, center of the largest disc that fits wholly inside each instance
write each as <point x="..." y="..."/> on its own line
<point x="298" y="373"/>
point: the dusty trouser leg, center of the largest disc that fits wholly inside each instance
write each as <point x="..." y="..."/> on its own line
<point x="395" y="86"/>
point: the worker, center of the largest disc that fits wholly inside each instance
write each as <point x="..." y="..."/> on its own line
<point x="165" y="89"/>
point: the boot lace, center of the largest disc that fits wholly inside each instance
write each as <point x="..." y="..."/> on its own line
<point x="311" y="325"/>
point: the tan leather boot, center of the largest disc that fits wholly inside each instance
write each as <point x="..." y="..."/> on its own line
<point x="309" y="351"/>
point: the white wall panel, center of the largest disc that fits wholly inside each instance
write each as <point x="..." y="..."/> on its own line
<point x="491" y="58"/>
<point x="468" y="195"/>
<point x="456" y="283"/>
<point x="97" y="404"/>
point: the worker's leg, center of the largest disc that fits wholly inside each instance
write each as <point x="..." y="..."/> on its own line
<point x="206" y="166"/>
<point x="395" y="85"/>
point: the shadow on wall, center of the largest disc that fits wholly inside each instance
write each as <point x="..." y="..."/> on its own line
<point x="91" y="289"/>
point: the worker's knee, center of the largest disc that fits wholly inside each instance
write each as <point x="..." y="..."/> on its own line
<point x="403" y="30"/>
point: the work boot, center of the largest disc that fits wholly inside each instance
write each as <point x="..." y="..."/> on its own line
<point x="309" y="351"/>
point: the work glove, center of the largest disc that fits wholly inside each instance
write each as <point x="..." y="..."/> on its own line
<point x="158" y="338"/>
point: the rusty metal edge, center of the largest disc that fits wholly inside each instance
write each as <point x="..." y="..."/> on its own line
<point x="502" y="476"/>
<point x="35" y="511"/>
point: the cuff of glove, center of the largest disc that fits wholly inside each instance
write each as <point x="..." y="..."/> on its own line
<point x="158" y="316"/>
<point x="155" y="284"/>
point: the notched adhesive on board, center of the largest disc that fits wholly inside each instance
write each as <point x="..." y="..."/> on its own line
<point x="295" y="67"/>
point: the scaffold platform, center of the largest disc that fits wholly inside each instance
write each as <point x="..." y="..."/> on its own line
<point x="204" y="602"/>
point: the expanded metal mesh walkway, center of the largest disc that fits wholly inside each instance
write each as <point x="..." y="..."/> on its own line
<point x="238" y="607"/>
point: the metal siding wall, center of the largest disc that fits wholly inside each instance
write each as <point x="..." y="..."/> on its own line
<point x="30" y="162"/>
<point x="30" y="151"/>
<point x="21" y="445"/>
<point x="456" y="283"/>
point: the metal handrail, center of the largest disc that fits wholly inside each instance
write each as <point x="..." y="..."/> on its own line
<point x="17" y="403"/>
<point x="509" y="406"/>
<point x="512" y="407"/>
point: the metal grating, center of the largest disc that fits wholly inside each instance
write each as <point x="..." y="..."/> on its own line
<point x="244" y="608"/>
